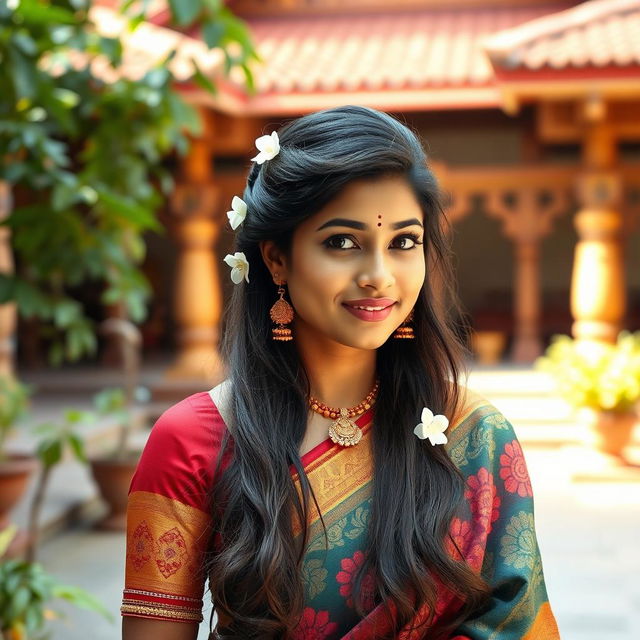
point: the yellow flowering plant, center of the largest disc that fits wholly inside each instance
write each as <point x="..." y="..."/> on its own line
<point x="606" y="378"/>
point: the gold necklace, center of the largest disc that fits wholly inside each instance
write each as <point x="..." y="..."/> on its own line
<point x="344" y="431"/>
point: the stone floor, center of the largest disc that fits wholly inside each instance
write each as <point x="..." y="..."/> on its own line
<point x="588" y="531"/>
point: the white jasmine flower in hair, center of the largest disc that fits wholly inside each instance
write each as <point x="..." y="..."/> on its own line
<point x="238" y="212"/>
<point x="269" y="147"/>
<point x="432" y="427"/>
<point x="239" y="266"/>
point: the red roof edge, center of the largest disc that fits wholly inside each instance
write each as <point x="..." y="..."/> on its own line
<point x="502" y="46"/>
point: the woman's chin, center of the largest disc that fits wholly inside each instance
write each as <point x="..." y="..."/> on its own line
<point x="365" y="337"/>
<point x="366" y="342"/>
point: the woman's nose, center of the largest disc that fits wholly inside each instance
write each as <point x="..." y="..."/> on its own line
<point x="376" y="273"/>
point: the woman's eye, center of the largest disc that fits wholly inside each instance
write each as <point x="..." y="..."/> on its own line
<point x="345" y="242"/>
<point x="339" y="242"/>
<point x="408" y="241"/>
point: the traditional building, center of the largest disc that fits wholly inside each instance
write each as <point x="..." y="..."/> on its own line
<point x="529" y="111"/>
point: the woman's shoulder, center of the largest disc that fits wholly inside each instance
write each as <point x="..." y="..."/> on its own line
<point x="472" y="408"/>
<point x="477" y="428"/>
<point x="195" y="420"/>
<point x="182" y="449"/>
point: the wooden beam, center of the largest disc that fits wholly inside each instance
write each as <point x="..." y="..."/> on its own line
<point x="562" y="121"/>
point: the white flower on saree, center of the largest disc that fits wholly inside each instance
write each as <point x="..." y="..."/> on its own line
<point x="268" y="146"/>
<point x="239" y="266"/>
<point x="238" y="212"/>
<point x="432" y="427"/>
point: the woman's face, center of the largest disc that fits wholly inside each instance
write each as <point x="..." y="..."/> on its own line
<point x="363" y="249"/>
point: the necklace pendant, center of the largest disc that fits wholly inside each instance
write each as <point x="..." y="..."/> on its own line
<point x="344" y="431"/>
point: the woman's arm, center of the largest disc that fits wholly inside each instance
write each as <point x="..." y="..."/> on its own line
<point x="146" y="628"/>
<point x="168" y="524"/>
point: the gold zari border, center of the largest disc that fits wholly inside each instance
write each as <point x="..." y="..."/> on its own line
<point x="161" y="611"/>
<point x="165" y="542"/>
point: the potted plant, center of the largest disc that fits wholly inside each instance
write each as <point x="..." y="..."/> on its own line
<point x="25" y="587"/>
<point x="488" y="346"/>
<point x="15" y="469"/>
<point x="602" y="381"/>
<point x="113" y="468"/>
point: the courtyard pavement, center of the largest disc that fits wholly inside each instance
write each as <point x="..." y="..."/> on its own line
<point x="588" y="531"/>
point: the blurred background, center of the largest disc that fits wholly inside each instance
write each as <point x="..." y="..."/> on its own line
<point x="126" y="128"/>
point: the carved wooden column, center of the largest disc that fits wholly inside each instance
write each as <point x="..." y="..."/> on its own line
<point x="527" y="343"/>
<point x="598" y="283"/>
<point x="198" y="298"/>
<point x="7" y="311"/>
<point x="526" y="224"/>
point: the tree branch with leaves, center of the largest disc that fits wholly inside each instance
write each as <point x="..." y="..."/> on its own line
<point x="85" y="156"/>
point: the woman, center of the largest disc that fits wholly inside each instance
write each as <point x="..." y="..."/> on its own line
<point x="340" y="483"/>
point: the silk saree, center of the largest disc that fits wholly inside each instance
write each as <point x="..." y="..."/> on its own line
<point x="167" y="528"/>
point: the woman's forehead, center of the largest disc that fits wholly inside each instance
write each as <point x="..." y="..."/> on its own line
<point x="372" y="202"/>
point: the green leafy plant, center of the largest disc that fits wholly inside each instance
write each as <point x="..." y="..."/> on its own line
<point x="55" y="440"/>
<point x="14" y="400"/>
<point x="117" y="404"/>
<point x="603" y="377"/>
<point x="85" y="157"/>
<point x="26" y="590"/>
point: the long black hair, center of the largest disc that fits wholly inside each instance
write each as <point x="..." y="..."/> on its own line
<point x="254" y="561"/>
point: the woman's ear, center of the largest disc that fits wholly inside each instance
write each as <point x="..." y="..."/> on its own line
<point x="275" y="260"/>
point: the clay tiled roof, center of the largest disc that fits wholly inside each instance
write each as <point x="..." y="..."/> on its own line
<point x="418" y="59"/>
<point x="601" y="33"/>
<point x="407" y="50"/>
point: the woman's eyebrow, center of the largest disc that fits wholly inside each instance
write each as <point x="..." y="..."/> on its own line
<point x="361" y="226"/>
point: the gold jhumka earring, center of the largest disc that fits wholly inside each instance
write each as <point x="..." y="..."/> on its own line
<point x="282" y="314"/>
<point x="405" y="330"/>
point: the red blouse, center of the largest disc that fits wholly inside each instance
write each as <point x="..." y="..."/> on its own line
<point x="167" y="519"/>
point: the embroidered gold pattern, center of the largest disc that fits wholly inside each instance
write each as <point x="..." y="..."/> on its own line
<point x="172" y="552"/>
<point x="336" y="475"/>
<point x="142" y="546"/>
<point x="166" y="539"/>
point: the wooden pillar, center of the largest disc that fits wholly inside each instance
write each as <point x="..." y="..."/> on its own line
<point x="527" y="342"/>
<point x="7" y="311"/>
<point x="526" y="223"/>
<point x="598" y="282"/>
<point x="198" y="298"/>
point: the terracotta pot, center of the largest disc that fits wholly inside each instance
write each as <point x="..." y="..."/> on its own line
<point x="609" y="431"/>
<point x="488" y="346"/>
<point x="15" y="473"/>
<point x="113" y="478"/>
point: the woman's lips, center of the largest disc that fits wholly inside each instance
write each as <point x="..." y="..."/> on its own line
<point x="369" y="316"/>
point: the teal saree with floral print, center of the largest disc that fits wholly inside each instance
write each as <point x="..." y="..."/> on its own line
<point x="494" y="529"/>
